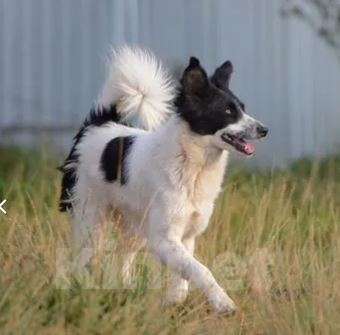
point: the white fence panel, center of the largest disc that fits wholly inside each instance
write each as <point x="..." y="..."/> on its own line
<point x="53" y="52"/>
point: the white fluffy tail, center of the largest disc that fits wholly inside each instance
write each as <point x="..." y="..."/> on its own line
<point x="139" y="86"/>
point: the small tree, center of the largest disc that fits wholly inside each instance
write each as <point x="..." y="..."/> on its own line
<point x="323" y="16"/>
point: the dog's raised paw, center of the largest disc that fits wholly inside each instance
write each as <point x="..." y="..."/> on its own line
<point x="223" y="304"/>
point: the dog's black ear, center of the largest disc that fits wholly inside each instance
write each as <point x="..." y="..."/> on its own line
<point x="222" y="75"/>
<point x="195" y="80"/>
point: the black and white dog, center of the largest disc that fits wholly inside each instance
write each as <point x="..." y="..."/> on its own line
<point x="158" y="154"/>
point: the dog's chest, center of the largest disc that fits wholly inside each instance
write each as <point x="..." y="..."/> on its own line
<point x="199" y="207"/>
<point x="202" y="188"/>
<point x="202" y="183"/>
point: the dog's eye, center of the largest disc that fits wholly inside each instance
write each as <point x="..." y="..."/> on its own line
<point x="228" y="111"/>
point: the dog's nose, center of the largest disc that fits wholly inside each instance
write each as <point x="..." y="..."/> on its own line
<point x="262" y="131"/>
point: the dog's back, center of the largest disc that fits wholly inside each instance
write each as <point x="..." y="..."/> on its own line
<point x="136" y="95"/>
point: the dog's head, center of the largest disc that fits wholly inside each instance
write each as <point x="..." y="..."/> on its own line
<point x="211" y="108"/>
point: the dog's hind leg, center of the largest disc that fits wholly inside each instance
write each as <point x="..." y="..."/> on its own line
<point x="87" y="221"/>
<point x="178" y="286"/>
<point x="128" y="245"/>
<point x="128" y="262"/>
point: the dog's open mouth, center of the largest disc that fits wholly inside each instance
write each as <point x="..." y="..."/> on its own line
<point x="239" y="144"/>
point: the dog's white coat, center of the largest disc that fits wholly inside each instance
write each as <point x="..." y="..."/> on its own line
<point x="174" y="177"/>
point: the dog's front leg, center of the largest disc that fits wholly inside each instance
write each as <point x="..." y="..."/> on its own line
<point x="178" y="286"/>
<point x="168" y="247"/>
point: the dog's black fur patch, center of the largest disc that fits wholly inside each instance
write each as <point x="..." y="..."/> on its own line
<point x="203" y="102"/>
<point x="221" y="79"/>
<point x="222" y="75"/>
<point x="109" y="162"/>
<point x="96" y="118"/>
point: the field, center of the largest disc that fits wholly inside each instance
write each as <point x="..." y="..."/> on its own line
<point x="274" y="242"/>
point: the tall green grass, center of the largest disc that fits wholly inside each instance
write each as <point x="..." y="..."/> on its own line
<point x="273" y="241"/>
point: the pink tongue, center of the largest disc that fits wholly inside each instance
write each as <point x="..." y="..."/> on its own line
<point x="249" y="148"/>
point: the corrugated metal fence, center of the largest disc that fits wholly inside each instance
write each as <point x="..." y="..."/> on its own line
<point x="53" y="53"/>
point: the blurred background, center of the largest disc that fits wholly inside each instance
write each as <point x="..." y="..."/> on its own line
<point x="286" y="57"/>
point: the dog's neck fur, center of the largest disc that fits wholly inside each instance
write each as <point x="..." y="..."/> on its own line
<point x="199" y="165"/>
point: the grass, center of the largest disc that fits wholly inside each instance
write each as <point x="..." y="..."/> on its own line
<point x="274" y="242"/>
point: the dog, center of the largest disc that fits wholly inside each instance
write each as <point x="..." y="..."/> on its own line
<point x="158" y="152"/>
